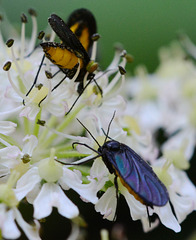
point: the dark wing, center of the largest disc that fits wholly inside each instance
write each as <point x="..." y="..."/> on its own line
<point x="138" y="177"/>
<point x="67" y="36"/>
<point x="86" y="21"/>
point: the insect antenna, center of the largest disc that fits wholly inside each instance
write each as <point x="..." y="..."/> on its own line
<point x="106" y="135"/>
<point x="89" y="133"/>
<point x="83" y="144"/>
<point x="78" y="163"/>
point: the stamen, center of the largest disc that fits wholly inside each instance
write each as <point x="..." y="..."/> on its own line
<point x="112" y="83"/>
<point x="6" y="68"/>
<point x="94" y="47"/>
<point x="116" y="59"/>
<point x="75" y="138"/>
<point x="24" y="21"/>
<point x="34" y="30"/>
<point x="5" y="143"/>
<point x="10" y="43"/>
<point x="12" y="111"/>
<point x="117" y="77"/>
<point x="85" y="78"/>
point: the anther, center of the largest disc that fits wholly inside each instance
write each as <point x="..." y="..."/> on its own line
<point x="7" y="66"/>
<point x="23" y="18"/>
<point x="39" y="86"/>
<point x="92" y="66"/>
<point x="129" y="58"/>
<point x="32" y="12"/>
<point x="41" y="34"/>
<point x="95" y="37"/>
<point x="48" y="74"/>
<point x="41" y="122"/>
<point x="10" y="42"/>
<point x="121" y="70"/>
<point x="26" y="158"/>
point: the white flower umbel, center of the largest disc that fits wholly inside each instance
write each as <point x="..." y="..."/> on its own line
<point x="37" y="139"/>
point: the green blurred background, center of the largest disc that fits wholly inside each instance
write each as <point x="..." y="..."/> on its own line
<point x="142" y="26"/>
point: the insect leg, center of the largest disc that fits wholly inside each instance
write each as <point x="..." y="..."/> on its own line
<point x="101" y="91"/>
<point x="148" y="216"/>
<point x="36" y="77"/>
<point x="117" y="196"/>
<point x="59" y="83"/>
<point x="78" y="97"/>
<point x="53" y="87"/>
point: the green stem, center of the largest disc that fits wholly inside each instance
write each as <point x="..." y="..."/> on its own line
<point x="50" y="123"/>
<point x="68" y="119"/>
<point x="10" y="140"/>
<point x="26" y="126"/>
<point x="37" y="126"/>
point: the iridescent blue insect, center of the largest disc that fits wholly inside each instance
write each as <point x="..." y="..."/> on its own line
<point x="134" y="173"/>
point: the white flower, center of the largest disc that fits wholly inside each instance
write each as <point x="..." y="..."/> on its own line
<point x="9" y="228"/>
<point x="37" y="138"/>
<point x="48" y="194"/>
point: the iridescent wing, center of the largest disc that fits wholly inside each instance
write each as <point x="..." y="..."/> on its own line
<point x="138" y="177"/>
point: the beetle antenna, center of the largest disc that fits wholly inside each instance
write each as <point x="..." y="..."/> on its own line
<point x="106" y="135"/>
<point x="89" y="132"/>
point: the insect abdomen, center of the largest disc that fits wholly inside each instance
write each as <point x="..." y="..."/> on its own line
<point x="60" y="56"/>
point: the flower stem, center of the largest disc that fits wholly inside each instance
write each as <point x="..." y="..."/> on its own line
<point x="68" y="119"/>
<point x="37" y="126"/>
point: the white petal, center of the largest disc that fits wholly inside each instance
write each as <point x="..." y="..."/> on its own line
<point x="32" y="232"/>
<point x="98" y="169"/>
<point x="146" y="226"/>
<point x="86" y="191"/>
<point x="107" y="204"/>
<point x="9" y="228"/>
<point x="51" y="195"/>
<point x="30" y="143"/>
<point x="26" y="183"/>
<point x="7" y="127"/>
<point x="137" y="209"/>
<point x="167" y="218"/>
<point x="56" y="109"/>
<point x="30" y="112"/>
<point x="3" y="171"/>
<point x="8" y="156"/>
<point x="183" y="205"/>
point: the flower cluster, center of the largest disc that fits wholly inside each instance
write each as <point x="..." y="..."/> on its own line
<point x="36" y="135"/>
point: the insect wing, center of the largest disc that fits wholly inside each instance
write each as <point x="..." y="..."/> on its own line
<point x="139" y="177"/>
<point x="86" y="26"/>
<point x="67" y="36"/>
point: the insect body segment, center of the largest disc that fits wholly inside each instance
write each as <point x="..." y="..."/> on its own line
<point x="60" y="55"/>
